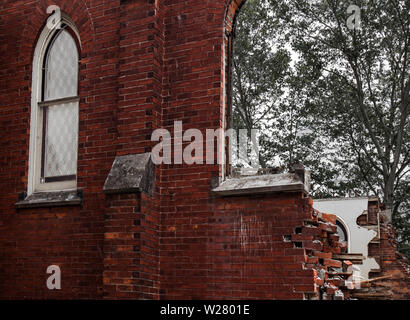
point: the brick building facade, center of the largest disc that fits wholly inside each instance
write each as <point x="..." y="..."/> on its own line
<point x="168" y="233"/>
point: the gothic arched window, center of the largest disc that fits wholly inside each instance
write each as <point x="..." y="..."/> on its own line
<point x="55" y="111"/>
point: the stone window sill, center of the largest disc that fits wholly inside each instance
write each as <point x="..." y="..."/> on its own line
<point x="297" y="181"/>
<point x="50" y="199"/>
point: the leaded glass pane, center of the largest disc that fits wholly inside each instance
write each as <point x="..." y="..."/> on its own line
<point x="61" y="140"/>
<point x="61" y="68"/>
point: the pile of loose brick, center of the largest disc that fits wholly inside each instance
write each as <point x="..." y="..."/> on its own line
<point x="393" y="280"/>
<point x="334" y="276"/>
<point x="318" y="236"/>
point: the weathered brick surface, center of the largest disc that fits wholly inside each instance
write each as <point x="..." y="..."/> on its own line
<point x="130" y="248"/>
<point x="32" y="239"/>
<point x="394" y="272"/>
<point x="392" y="280"/>
<point x="250" y="251"/>
<point x="144" y="65"/>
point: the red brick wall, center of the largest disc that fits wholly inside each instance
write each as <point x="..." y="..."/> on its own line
<point x="130" y="248"/>
<point x="144" y="65"/>
<point x="140" y="50"/>
<point x="392" y="280"/>
<point x="191" y="93"/>
<point x="394" y="267"/>
<point x="251" y="251"/>
<point x="32" y="239"/>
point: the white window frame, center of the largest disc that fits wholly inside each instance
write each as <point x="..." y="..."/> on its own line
<point x="36" y="118"/>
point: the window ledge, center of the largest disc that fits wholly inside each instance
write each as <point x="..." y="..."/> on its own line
<point x="297" y="181"/>
<point x="51" y="199"/>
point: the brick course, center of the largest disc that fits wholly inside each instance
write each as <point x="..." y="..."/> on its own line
<point x="144" y="65"/>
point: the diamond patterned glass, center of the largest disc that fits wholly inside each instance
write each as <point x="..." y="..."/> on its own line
<point x="61" y="140"/>
<point x="61" y="119"/>
<point x="61" y="68"/>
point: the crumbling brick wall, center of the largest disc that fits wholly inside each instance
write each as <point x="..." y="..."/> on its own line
<point x="255" y="251"/>
<point x="393" y="280"/>
<point x="271" y="247"/>
<point x="145" y="64"/>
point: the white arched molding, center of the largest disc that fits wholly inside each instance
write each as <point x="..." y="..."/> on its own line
<point x="346" y="227"/>
<point x="347" y="210"/>
<point x="34" y="170"/>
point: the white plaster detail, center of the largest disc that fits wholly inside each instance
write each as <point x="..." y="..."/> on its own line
<point x="347" y="211"/>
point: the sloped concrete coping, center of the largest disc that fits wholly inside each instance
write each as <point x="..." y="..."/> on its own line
<point x="130" y="174"/>
<point x="298" y="181"/>
<point x="50" y="199"/>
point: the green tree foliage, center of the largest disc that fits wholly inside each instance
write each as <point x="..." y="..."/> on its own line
<point x="258" y="71"/>
<point x="333" y="97"/>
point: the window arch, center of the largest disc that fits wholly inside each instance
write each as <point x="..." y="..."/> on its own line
<point x="231" y="15"/>
<point x="257" y="62"/>
<point x="342" y="232"/>
<point x="55" y="110"/>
